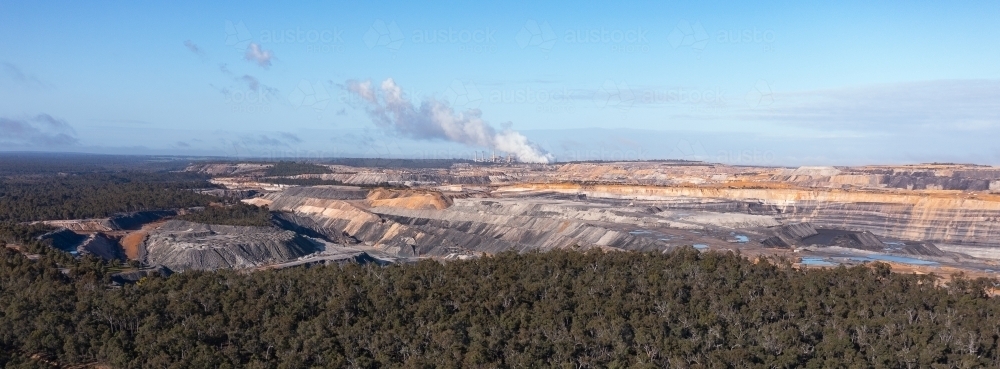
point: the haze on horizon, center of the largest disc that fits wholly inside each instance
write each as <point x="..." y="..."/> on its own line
<point x="781" y="83"/>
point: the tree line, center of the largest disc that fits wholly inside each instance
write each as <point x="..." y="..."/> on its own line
<point x="291" y="168"/>
<point x="237" y="214"/>
<point x="552" y="309"/>
<point x="95" y="195"/>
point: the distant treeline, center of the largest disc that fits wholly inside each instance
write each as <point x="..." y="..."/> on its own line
<point x="290" y="168"/>
<point x="238" y="214"/>
<point x="27" y="163"/>
<point x="95" y="195"/>
<point x="326" y="182"/>
<point x="303" y="181"/>
<point x="555" y="309"/>
<point x="397" y="163"/>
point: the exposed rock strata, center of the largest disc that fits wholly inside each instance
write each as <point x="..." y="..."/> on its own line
<point x="408" y="199"/>
<point x="181" y="245"/>
<point x="82" y="225"/>
<point x="946" y="217"/>
<point x="470" y="225"/>
<point x="102" y="246"/>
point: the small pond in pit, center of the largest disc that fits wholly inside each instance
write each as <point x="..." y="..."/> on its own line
<point x="895" y="259"/>
<point x="816" y="262"/>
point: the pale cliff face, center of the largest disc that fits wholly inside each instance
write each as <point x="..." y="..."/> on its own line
<point x="950" y="217"/>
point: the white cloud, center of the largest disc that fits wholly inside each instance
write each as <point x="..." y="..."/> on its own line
<point x="258" y="55"/>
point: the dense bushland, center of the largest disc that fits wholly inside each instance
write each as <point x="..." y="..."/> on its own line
<point x="238" y="214"/>
<point x="560" y="308"/>
<point x="94" y="195"/>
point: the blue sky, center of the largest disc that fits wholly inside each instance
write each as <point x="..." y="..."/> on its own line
<point x="780" y="83"/>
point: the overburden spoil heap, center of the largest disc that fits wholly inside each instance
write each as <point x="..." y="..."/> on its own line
<point x="181" y="245"/>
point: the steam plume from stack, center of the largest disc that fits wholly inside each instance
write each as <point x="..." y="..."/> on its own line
<point x="436" y="120"/>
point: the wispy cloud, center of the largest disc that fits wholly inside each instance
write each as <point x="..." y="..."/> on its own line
<point x="258" y="55"/>
<point x="962" y="105"/>
<point x="191" y="46"/>
<point x="251" y="82"/>
<point x="42" y="130"/>
<point x="17" y="75"/>
<point x="290" y="137"/>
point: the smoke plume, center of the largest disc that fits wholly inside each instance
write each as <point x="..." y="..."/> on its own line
<point x="388" y="109"/>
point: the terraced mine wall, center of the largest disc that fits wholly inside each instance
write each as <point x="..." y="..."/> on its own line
<point x="82" y="225"/>
<point x="135" y="220"/>
<point x="123" y="221"/>
<point x="946" y="218"/>
<point x="469" y="226"/>
<point x="181" y="245"/>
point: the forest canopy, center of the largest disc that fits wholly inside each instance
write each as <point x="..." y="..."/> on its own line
<point x="95" y="195"/>
<point x="238" y="214"/>
<point x="559" y="308"/>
